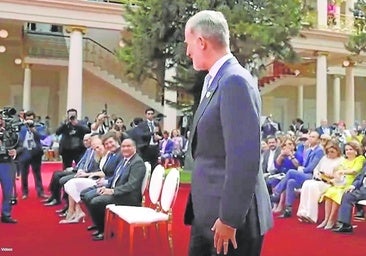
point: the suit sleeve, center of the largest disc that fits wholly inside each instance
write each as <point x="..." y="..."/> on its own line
<point x="240" y="120"/>
<point x="314" y="161"/>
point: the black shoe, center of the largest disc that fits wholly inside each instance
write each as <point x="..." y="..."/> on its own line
<point x="42" y="196"/>
<point x="99" y="237"/>
<point x="48" y="200"/>
<point x="63" y="215"/>
<point x="8" y="219"/>
<point x="92" y="227"/>
<point x="52" y="203"/>
<point x="344" y="228"/>
<point x="95" y="233"/>
<point x="63" y="210"/>
<point x="286" y="214"/>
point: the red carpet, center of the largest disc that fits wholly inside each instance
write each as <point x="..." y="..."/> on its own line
<point x="38" y="233"/>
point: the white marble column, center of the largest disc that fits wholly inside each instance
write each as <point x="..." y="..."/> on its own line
<point x="350" y="5"/>
<point x="170" y="112"/>
<point x="27" y="83"/>
<point x="336" y="98"/>
<point x="321" y="87"/>
<point x="75" y="72"/>
<point x="350" y="97"/>
<point x="337" y="15"/>
<point x="322" y="8"/>
<point x="300" y="101"/>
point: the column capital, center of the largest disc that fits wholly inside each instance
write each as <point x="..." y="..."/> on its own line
<point x="348" y="63"/>
<point x="337" y="76"/>
<point x="72" y="28"/>
<point x="321" y="53"/>
<point x="26" y="65"/>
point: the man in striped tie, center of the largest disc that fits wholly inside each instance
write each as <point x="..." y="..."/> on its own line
<point x="123" y="188"/>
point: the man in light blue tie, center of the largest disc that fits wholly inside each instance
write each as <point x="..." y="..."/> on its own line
<point x="123" y="188"/>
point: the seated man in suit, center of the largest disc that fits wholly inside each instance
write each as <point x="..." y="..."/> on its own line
<point x="324" y="128"/>
<point x="124" y="188"/>
<point x="85" y="164"/>
<point x="355" y="193"/>
<point x="295" y="178"/>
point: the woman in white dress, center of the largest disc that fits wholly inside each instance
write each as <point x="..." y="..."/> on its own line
<point x="312" y="190"/>
<point x="82" y="181"/>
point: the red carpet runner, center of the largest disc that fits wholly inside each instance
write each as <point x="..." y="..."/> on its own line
<point x="38" y="233"/>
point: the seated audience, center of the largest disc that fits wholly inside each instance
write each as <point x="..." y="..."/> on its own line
<point x="296" y="177"/>
<point x="55" y="185"/>
<point x="112" y="159"/>
<point x="312" y="190"/>
<point x="179" y="142"/>
<point x="343" y="178"/>
<point x="353" y="194"/>
<point x="81" y="180"/>
<point x="124" y="188"/>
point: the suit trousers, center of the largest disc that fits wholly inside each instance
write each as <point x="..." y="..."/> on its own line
<point x="35" y="162"/>
<point x="151" y="154"/>
<point x="293" y="179"/>
<point x="55" y="185"/>
<point x="7" y="183"/>
<point x="348" y="201"/>
<point x="96" y="207"/>
<point x="248" y="238"/>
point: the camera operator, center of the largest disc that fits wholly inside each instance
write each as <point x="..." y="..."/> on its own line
<point x="71" y="143"/>
<point x="31" y="134"/>
<point x="6" y="178"/>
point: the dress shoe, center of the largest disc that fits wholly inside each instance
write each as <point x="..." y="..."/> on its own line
<point x="8" y="219"/>
<point x="286" y="214"/>
<point x="344" y="228"/>
<point x="42" y="196"/>
<point x="63" y="210"/>
<point x="48" y="200"/>
<point x="95" y="233"/>
<point x="92" y="227"/>
<point x="99" y="237"/>
<point x="63" y="215"/>
<point x="52" y="203"/>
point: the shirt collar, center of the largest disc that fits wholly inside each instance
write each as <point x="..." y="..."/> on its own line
<point x="218" y="64"/>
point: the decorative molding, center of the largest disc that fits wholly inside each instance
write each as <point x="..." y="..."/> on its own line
<point x="71" y="28"/>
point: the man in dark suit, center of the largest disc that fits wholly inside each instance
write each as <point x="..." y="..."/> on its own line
<point x="124" y="188"/>
<point x="355" y="193"/>
<point x="151" y="135"/>
<point x="270" y="155"/>
<point x="324" y="128"/>
<point x="230" y="209"/>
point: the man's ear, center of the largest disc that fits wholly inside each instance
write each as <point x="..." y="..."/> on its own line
<point x="202" y="42"/>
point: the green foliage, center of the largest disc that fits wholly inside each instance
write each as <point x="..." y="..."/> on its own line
<point x="357" y="41"/>
<point x="259" y="29"/>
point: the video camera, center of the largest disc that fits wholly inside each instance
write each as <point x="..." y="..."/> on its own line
<point x="9" y="129"/>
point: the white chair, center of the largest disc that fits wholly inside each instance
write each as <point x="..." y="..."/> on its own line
<point x="156" y="184"/>
<point x="146" y="216"/>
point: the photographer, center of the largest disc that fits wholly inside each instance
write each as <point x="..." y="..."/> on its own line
<point x="30" y="136"/>
<point x="71" y="143"/>
<point x="6" y="176"/>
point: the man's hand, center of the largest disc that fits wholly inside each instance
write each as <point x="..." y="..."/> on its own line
<point x="350" y="189"/>
<point x="105" y="191"/>
<point x="223" y="234"/>
<point x="12" y="153"/>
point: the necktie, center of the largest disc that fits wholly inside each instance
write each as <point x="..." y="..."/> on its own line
<point x="151" y="126"/>
<point x="205" y="86"/>
<point x="119" y="170"/>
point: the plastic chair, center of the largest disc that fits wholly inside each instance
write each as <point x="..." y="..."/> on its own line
<point x="156" y="184"/>
<point x="146" y="217"/>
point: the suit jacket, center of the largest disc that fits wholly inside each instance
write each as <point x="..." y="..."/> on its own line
<point x="127" y="190"/>
<point x="227" y="181"/>
<point x="168" y="147"/>
<point x="320" y="130"/>
<point x="266" y="156"/>
<point x="146" y="133"/>
<point x="358" y="182"/>
<point x="312" y="158"/>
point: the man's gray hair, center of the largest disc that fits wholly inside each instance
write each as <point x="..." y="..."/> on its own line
<point x="211" y="25"/>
